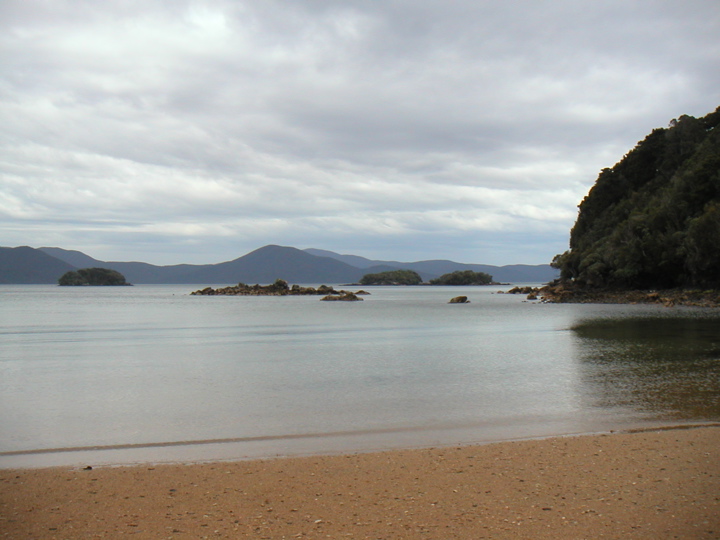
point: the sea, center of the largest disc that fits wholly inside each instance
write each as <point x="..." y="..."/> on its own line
<point x="151" y="374"/>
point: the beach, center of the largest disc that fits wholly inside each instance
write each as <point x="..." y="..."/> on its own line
<point x="647" y="484"/>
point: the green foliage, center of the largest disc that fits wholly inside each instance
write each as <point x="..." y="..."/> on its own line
<point x="393" y="277"/>
<point x="653" y="220"/>
<point x="71" y="278"/>
<point x="463" y="277"/>
<point x="92" y="276"/>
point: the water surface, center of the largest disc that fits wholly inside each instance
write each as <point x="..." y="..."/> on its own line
<point x="143" y="371"/>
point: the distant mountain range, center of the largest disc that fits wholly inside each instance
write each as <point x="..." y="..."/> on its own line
<point x="26" y="265"/>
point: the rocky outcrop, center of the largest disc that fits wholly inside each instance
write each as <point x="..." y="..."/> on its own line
<point x="559" y="293"/>
<point x="459" y="300"/>
<point x="531" y="292"/>
<point x="566" y="293"/>
<point x="279" y="288"/>
<point x="522" y="290"/>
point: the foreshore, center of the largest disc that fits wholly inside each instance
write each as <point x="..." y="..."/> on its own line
<point x="650" y="484"/>
<point x="559" y="293"/>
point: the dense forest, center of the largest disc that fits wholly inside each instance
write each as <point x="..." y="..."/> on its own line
<point x="463" y="277"/>
<point x="653" y="220"/>
<point x="92" y="276"/>
<point x="392" y="277"/>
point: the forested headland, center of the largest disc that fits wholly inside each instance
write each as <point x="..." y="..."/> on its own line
<point x="653" y="220"/>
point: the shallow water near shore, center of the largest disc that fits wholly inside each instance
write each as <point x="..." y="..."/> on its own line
<point x="152" y="374"/>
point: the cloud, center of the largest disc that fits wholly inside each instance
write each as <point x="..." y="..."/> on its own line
<point x="464" y="130"/>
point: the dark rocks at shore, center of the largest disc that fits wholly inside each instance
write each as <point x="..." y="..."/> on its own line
<point x="531" y="292"/>
<point x="279" y="288"/>
<point x="522" y="290"/>
<point x="459" y="300"/>
<point x="564" y="293"/>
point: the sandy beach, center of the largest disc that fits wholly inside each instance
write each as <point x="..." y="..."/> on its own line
<point x="651" y="484"/>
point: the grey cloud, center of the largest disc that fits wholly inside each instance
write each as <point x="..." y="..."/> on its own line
<point x="371" y="124"/>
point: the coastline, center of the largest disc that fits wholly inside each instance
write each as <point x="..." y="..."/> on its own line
<point x="649" y="483"/>
<point x="561" y="293"/>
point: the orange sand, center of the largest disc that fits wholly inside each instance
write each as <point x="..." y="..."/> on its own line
<point x="655" y="485"/>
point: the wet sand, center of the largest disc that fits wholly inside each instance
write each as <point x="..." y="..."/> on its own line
<point x="651" y="484"/>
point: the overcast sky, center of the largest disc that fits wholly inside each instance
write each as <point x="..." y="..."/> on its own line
<point x="173" y="131"/>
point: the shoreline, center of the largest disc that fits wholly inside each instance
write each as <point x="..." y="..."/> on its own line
<point x="644" y="483"/>
<point x="565" y="293"/>
<point x="201" y="451"/>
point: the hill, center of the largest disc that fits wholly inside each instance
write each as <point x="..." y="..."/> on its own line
<point x="75" y="258"/>
<point x="653" y="220"/>
<point x="513" y="273"/>
<point x="287" y="263"/>
<point x="25" y="265"/>
<point x="264" y="265"/>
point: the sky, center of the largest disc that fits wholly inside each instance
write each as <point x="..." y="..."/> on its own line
<point x="183" y="131"/>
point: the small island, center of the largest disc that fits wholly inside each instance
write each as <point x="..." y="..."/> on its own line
<point x="410" y="277"/>
<point x="281" y="288"/>
<point x="464" y="277"/>
<point x="92" y="277"/>
<point x="392" y="277"/>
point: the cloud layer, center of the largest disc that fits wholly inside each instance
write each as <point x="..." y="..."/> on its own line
<point x="195" y="131"/>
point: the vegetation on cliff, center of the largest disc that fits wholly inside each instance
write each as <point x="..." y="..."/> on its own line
<point x="653" y="220"/>
<point x="92" y="276"/>
<point x="463" y="277"/>
<point x="393" y="277"/>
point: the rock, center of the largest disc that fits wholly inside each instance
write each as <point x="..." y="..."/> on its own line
<point x="522" y="290"/>
<point x="324" y="289"/>
<point x="459" y="300"/>
<point x="345" y="297"/>
<point x="281" y="288"/>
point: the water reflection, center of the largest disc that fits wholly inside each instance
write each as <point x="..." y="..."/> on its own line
<point x="663" y="367"/>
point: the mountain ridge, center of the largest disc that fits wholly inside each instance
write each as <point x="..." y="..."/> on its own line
<point x="436" y="267"/>
<point x="26" y="265"/>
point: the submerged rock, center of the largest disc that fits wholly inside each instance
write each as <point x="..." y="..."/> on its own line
<point x="346" y="296"/>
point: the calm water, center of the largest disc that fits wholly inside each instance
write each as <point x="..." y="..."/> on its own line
<point x="135" y="370"/>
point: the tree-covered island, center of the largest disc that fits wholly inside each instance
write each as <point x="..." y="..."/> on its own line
<point x="392" y="277"/>
<point x="92" y="276"/>
<point x="463" y="277"/>
<point x="410" y="277"/>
